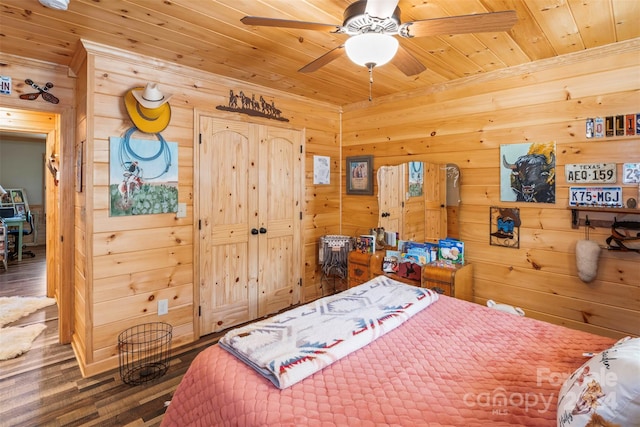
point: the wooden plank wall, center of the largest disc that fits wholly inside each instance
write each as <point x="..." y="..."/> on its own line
<point x="122" y="263"/>
<point x="82" y="305"/>
<point x="39" y="116"/>
<point x="129" y="263"/>
<point x="465" y="122"/>
<point x="122" y="266"/>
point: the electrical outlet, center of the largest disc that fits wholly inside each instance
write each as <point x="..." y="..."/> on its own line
<point x="163" y="307"/>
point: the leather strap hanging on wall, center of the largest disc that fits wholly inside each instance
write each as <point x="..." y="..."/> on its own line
<point x="625" y="236"/>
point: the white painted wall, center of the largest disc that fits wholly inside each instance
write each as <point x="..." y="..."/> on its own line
<point x="22" y="166"/>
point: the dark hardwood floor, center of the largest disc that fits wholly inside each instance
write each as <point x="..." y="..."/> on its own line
<point x="44" y="387"/>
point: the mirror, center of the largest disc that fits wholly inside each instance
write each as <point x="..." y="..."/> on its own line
<point x="419" y="200"/>
<point x="453" y="185"/>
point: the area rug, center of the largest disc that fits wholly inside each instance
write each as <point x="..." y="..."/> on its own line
<point x="15" y="341"/>
<point x="14" y="308"/>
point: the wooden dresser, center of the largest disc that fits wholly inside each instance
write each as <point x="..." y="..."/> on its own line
<point x="455" y="280"/>
<point x="363" y="266"/>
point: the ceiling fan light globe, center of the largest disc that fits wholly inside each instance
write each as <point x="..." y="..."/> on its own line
<point x="371" y="48"/>
<point x="55" y="4"/>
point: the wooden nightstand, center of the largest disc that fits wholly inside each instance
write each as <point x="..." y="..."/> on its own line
<point x="455" y="280"/>
<point x="363" y="267"/>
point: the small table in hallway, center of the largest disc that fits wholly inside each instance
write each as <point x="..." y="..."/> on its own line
<point x="16" y="221"/>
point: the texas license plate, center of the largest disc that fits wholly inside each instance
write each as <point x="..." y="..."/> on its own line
<point x="591" y="173"/>
<point x="596" y="196"/>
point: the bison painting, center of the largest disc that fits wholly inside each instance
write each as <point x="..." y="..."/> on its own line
<point x="532" y="176"/>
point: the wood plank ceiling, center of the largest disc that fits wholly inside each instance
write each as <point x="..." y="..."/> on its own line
<point x="208" y="35"/>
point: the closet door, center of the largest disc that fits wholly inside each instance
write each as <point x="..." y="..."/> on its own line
<point x="280" y="207"/>
<point x="250" y="186"/>
<point x="228" y="205"/>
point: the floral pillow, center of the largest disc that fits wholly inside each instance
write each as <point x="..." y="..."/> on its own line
<point x="605" y="391"/>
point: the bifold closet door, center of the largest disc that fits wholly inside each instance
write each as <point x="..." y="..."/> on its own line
<point x="280" y="219"/>
<point x="249" y="213"/>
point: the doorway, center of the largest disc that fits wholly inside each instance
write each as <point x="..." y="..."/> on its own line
<point x="59" y="280"/>
<point x="22" y="169"/>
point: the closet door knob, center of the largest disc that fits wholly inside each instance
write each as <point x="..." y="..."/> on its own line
<point x="263" y="230"/>
<point x="254" y="231"/>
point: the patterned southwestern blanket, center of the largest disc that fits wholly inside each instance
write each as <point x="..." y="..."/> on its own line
<point x="291" y="346"/>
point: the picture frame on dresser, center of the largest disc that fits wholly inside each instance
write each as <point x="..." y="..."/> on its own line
<point x="359" y="175"/>
<point x="20" y="209"/>
<point x="17" y="196"/>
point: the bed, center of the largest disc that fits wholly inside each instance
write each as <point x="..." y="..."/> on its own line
<point x="452" y="363"/>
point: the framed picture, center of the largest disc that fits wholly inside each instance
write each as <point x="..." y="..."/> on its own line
<point x="505" y="227"/>
<point x="20" y="210"/>
<point x="359" y="179"/>
<point x="16" y="196"/>
<point x="528" y="172"/>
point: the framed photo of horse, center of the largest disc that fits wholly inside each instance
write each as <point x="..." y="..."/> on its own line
<point x="528" y="172"/>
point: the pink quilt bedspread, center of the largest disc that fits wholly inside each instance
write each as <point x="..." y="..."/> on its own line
<point x="453" y="364"/>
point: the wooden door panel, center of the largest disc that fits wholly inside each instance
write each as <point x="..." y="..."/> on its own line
<point x="229" y="287"/>
<point x="280" y="206"/>
<point x="435" y="186"/>
<point x="227" y="213"/>
<point x="230" y="233"/>
<point x="250" y="189"/>
<point x="277" y="289"/>
<point x="279" y="173"/>
<point x="391" y="195"/>
<point x="414" y="219"/>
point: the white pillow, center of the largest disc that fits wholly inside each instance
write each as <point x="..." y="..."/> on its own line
<point x="605" y="391"/>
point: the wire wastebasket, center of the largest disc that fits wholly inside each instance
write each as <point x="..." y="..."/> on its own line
<point x="144" y="352"/>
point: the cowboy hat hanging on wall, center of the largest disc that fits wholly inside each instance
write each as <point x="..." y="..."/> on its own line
<point x="244" y="104"/>
<point x="144" y="173"/>
<point x="148" y="108"/>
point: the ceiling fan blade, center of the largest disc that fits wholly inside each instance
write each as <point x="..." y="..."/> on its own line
<point x="407" y="63"/>
<point x="381" y="8"/>
<point x="286" y="23"/>
<point x="479" y="23"/>
<point x="323" y="60"/>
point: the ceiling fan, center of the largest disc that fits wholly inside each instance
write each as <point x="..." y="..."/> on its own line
<point x="372" y="25"/>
